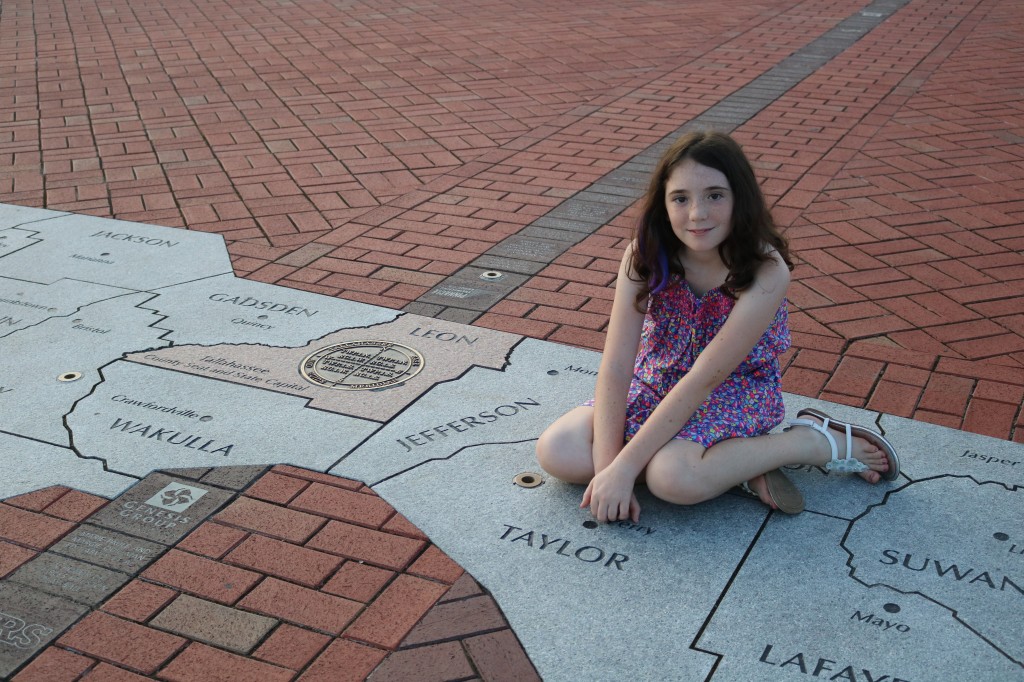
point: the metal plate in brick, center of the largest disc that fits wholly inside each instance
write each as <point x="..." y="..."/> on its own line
<point x="529" y="248"/>
<point x="466" y="290"/>
<point x="566" y="237"/>
<point x="586" y="211"/>
<point x="565" y="224"/>
<point x="595" y="195"/>
<point x="509" y="265"/>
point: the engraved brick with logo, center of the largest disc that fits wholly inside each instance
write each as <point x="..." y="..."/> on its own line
<point x="161" y="508"/>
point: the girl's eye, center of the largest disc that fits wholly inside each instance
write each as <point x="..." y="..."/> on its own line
<point x="716" y="195"/>
<point x="679" y="200"/>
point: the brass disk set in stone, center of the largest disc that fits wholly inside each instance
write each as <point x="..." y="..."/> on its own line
<point x="528" y="479"/>
<point x="361" y="365"/>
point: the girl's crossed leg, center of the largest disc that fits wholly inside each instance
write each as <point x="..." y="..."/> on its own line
<point x="684" y="472"/>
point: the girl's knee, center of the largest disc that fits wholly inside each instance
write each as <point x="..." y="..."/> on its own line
<point x="547" y="451"/>
<point x="565" y="465"/>
<point x="550" y="445"/>
<point x="563" y="452"/>
<point x="672" y="476"/>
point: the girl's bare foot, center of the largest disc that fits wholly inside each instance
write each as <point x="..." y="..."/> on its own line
<point x="864" y="451"/>
<point x="760" y="487"/>
<point x="777" y="491"/>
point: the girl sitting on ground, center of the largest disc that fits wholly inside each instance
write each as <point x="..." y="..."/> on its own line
<point x="689" y="384"/>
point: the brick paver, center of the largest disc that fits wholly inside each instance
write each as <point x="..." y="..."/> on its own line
<point x="435" y="564"/>
<point x="139" y="600"/>
<point x="344" y="661"/>
<point x="262" y="517"/>
<point x="387" y="621"/>
<point x="205" y="662"/>
<point x="362" y="544"/>
<point x="203" y="577"/>
<point x="446" y="661"/>
<point x="54" y="665"/>
<point x="291" y="647"/>
<point x="104" y="637"/>
<point x="38" y="500"/>
<point x="105" y="672"/>
<point x="281" y="559"/>
<point x="358" y="581"/>
<point x="30" y="529"/>
<point x="344" y="505"/>
<point x="12" y="556"/>
<point x="212" y="540"/>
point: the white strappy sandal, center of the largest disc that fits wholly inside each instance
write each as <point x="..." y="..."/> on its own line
<point x="849" y="464"/>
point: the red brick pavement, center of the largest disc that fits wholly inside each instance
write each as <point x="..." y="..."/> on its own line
<point x="368" y="152"/>
<point x="354" y="592"/>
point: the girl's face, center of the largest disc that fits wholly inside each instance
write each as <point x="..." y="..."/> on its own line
<point x="699" y="204"/>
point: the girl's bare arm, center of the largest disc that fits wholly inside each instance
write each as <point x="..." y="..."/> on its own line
<point x="616" y="372"/>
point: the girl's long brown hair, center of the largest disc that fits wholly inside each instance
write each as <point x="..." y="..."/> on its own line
<point x="743" y="250"/>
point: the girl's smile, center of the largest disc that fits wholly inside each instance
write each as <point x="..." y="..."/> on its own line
<point x="699" y="205"/>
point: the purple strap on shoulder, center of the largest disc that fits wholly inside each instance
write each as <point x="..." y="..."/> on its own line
<point x="659" y="278"/>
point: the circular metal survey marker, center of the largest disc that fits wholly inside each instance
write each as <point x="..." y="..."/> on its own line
<point x="69" y="376"/>
<point x="528" y="479"/>
<point x="361" y="365"/>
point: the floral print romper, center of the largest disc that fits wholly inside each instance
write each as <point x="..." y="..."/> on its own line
<point x="678" y="326"/>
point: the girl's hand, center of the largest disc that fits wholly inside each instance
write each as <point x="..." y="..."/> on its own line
<point x="610" y="496"/>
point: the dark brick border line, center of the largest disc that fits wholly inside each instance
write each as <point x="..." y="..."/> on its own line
<point x="468" y="294"/>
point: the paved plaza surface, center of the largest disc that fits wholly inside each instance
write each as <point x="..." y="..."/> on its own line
<point x="294" y="440"/>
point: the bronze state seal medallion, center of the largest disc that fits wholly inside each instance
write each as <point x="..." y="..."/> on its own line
<point x="361" y="365"/>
